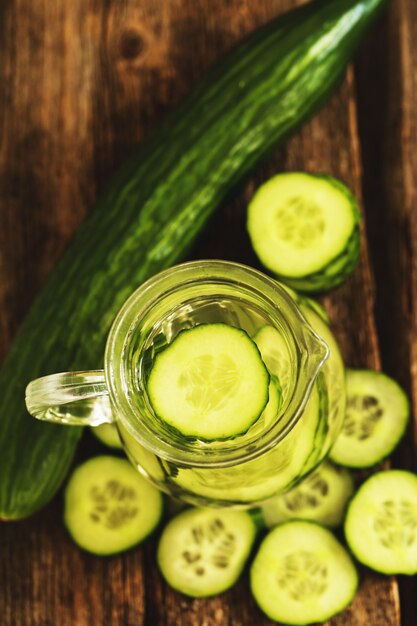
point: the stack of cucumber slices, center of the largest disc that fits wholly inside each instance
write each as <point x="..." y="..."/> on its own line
<point x="305" y="229"/>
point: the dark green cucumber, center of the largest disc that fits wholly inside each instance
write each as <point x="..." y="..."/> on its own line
<point x="152" y="211"/>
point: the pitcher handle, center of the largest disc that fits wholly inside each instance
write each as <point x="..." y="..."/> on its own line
<point x="75" y="398"/>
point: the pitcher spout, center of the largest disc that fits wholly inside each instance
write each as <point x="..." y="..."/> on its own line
<point x="317" y="352"/>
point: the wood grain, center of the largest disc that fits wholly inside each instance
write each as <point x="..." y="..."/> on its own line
<point x="388" y="130"/>
<point x="82" y="82"/>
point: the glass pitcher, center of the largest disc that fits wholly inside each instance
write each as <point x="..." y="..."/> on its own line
<point x="290" y="438"/>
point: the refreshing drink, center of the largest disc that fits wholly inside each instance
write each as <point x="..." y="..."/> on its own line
<point x="210" y="472"/>
<point x="225" y="387"/>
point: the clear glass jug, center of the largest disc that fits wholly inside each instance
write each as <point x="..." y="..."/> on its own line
<point x="285" y="443"/>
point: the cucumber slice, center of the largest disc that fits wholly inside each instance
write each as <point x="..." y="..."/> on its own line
<point x="322" y="497"/>
<point x="107" y="434"/>
<point x="376" y="418"/>
<point x="333" y="368"/>
<point x="210" y="382"/>
<point x="381" y="523"/>
<point x="275" y="354"/>
<point x="270" y="412"/>
<point x="301" y="574"/>
<point x="260" y="478"/>
<point x="305" y="227"/>
<point x="202" y="552"/>
<point x="109" y="506"/>
<point x="310" y="303"/>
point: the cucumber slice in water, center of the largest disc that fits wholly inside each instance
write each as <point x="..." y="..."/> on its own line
<point x="109" y="506"/>
<point x="381" y="523"/>
<point x="270" y="412"/>
<point x="376" y="418"/>
<point x="322" y="497"/>
<point x="302" y="575"/>
<point x="304" y="228"/>
<point x="202" y="552"/>
<point x="262" y="477"/>
<point x="210" y="382"/>
<point x="275" y="354"/>
<point x="107" y="434"/>
<point x="334" y="368"/>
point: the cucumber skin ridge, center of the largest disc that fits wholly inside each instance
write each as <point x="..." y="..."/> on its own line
<point x="233" y="117"/>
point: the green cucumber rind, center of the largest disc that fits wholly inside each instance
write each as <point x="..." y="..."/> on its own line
<point x="254" y="97"/>
<point x="363" y="464"/>
<point x="363" y="555"/>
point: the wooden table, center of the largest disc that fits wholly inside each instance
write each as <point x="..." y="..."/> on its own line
<point x="81" y="82"/>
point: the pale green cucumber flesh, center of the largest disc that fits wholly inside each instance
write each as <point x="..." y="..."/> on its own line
<point x="300" y="223"/>
<point x="275" y="354"/>
<point x="109" y="506"/>
<point x="333" y="274"/>
<point x="381" y="523"/>
<point x="202" y="552"/>
<point x="255" y="96"/>
<point x="376" y="418"/>
<point x="333" y="368"/>
<point x="322" y="497"/>
<point x="261" y="478"/>
<point x="210" y="382"/>
<point x="302" y="574"/>
<point x="108" y="435"/>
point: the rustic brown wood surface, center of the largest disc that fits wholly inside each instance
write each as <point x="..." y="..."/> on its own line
<point x="81" y="82"/>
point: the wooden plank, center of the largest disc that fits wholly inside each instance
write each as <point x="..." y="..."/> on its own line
<point x="388" y="128"/>
<point x="83" y="82"/>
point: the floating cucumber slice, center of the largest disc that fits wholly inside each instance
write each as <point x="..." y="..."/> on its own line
<point x="376" y="417"/>
<point x="202" y="552"/>
<point x="269" y="415"/>
<point x="109" y="507"/>
<point x="107" y="434"/>
<point x="275" y="354"/>
<point x="304" y="228"/>
<point x="301" y="574"/>
<point x="381" y="523"/>
<point x="210" y="382"/>
<point x="321" y="497"/>
<point x="333" y="368"/>
<point x="261" y="477"/>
